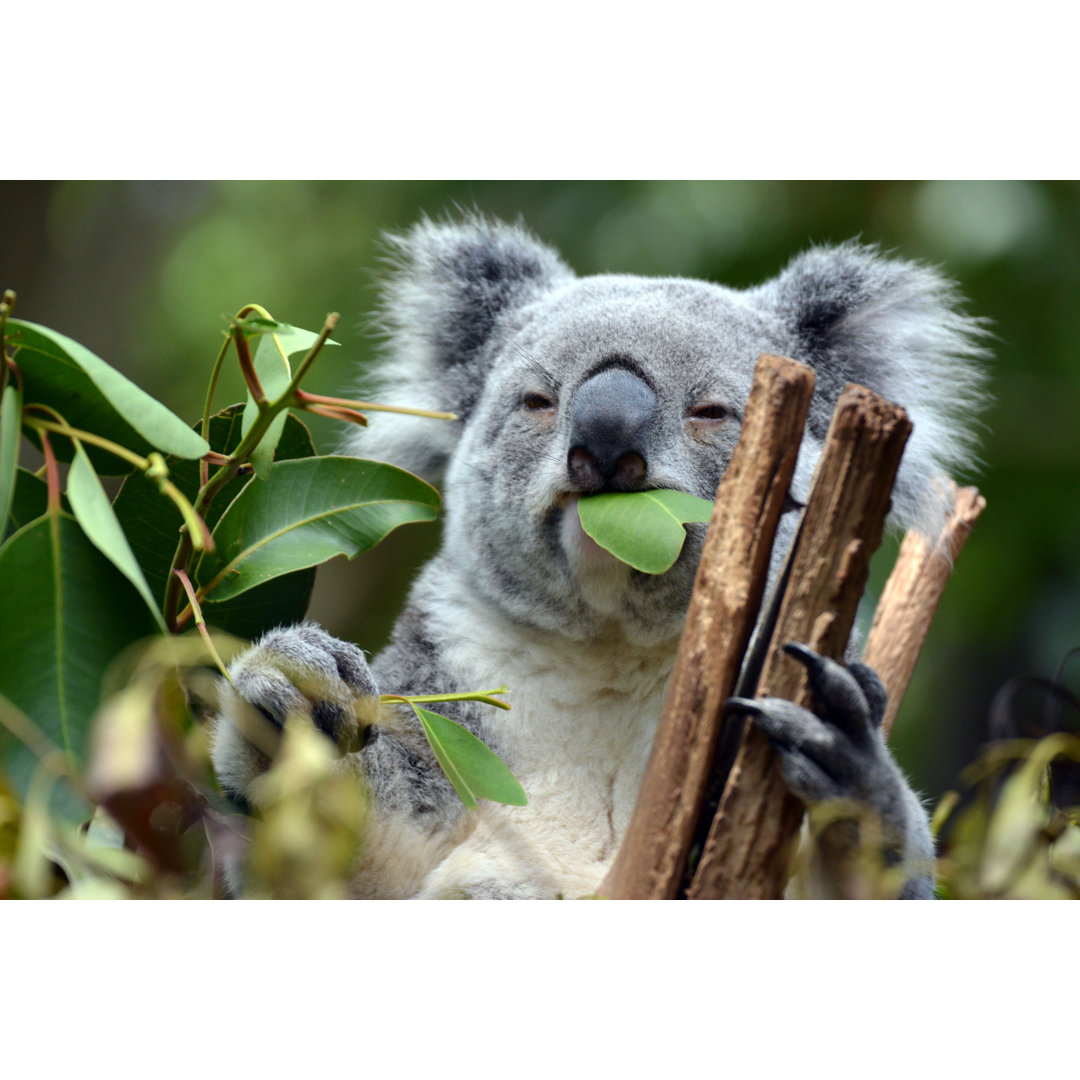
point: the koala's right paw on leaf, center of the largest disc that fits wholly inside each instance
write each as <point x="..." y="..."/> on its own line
<point x="298" y="671"/>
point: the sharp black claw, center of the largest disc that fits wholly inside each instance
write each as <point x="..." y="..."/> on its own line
<point x="742" y="705"/>
<point x="803" y="653"/>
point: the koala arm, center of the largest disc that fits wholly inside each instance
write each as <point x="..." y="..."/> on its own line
<point x="837" y="760"/>
<point x="301" y="670"/>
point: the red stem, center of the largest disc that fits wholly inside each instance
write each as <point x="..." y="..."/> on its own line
<point x="247" y="366"/>
<point x="52" y="474"/>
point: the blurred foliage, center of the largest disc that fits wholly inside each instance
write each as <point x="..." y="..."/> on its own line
<point x="140" y="271"/>
<point x="160" y="829"/>
<point x="1012" y="829"/>
<point x="1004" y="837"/>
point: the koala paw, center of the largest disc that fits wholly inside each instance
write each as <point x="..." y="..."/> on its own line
<point x="837" y="753"/>
<point x="297" y="671"/>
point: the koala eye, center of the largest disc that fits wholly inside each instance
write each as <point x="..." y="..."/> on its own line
<point x="537" y="402"/>
<point x="712" y="411"/>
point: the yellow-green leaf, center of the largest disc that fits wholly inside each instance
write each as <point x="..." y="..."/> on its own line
<point x="470" y="765"/>
<point x="95" y="514"/>
<point x="92" y="395"/>
<point x="642" y="528"/>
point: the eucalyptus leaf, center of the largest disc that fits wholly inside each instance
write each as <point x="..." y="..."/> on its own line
<point x="642" y="528"/>
<point x="475" y="771"/>
<point x="68" y="614"/>
<point x="91" y="395"/>
<point x="10" y="431"/>
<point x="95" y="514"/>
<point x="314" y="509"/>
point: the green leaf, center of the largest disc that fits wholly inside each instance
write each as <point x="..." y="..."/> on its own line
<point x="68" y="613"/>
<point x="95" y="514"/>
<point x="312" y="510"/>
<point x="151" y="522"/>
<point x="271" y="361"/>
<point x="10" y="430"/>
<point x="91" y="395"/>
<point x="30" y="500"/>
<point x="470" y="765"/>
<point x="642" y="528"/>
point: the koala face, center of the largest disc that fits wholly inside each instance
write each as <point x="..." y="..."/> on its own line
<point x="607" y="384"/>
<point x="567" y="385"/>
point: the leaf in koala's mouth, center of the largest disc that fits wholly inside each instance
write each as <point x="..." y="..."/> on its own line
<point x="642" y="528"/>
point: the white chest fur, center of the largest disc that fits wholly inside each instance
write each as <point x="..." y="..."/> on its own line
<point x="577" y="738"/>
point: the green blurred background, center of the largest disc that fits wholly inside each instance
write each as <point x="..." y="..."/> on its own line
<point x="144" y="273"/>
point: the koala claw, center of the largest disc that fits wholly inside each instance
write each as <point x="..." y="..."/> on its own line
<point x="853" y="694"/>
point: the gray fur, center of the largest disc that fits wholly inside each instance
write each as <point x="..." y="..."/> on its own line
<point x="550" y="375"/>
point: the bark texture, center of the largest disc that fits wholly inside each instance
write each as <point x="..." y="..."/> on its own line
<point x="911" y="596"/>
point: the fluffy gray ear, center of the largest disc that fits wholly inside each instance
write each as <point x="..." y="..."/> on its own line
<point x="451" y="287"/>
<point x="898" y="328"/>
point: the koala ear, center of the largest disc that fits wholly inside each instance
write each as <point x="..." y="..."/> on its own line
<point x="896" y="327"/>
<point x="451" y="287"/>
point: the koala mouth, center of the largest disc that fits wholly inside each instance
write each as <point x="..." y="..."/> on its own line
<point x="581" y="550"/>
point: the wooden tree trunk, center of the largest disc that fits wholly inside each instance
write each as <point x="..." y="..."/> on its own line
<point x="747" y="853"/>
<point x="727" y="594"/>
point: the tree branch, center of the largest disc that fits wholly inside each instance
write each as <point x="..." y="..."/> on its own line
<point x="911" y="596"/>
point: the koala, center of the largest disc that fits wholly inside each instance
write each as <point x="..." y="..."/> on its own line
<point x="562" y="386"/>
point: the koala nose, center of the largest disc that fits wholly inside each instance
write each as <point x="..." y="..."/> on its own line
<point x="611" y="415"/>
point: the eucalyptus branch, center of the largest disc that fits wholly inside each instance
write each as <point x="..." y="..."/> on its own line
<point x="153" y="467"/>
<point x="329" y="325"/>
<point x="484" y="696"/>
<point x="258" y="309"/>
<point x="293" y="397"/>
<point x="247" y="367"/>
<point x="204" y="471"/>
<point x="268" y="410"/>
<point x="200" y="622"/>
<point x="305" y="400"/>
<point x="9" y="365"/>
<point x="336" y="412"/>
<point x="60" y="426"/>
<point x="52" y="476"/>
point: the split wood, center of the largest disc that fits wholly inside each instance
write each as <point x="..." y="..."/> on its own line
<point x="911" y="597"/>
<point x="727" y="595"/>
